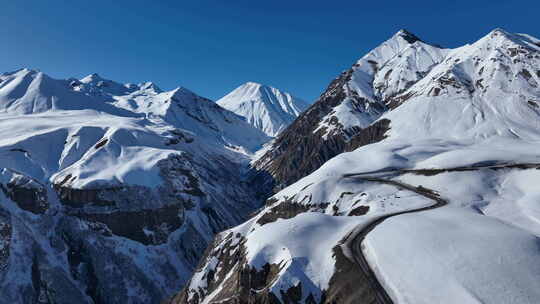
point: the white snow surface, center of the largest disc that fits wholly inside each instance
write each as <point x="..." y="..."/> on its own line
<point x="309" y="261"/>
<point x="387" y="70"/>
<point x="45" y="146"/>
<point x="138" y="147"/>
<point x="488" y="88"/>
<point x="264" y="107"/>
<point x="106" y="133"/>
<point x="303" y="246"/>
<point x="471" y="106"/>
<point x="451" y="255"/>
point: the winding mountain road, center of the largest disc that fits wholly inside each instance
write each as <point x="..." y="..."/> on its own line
<point x="381" y="294"/>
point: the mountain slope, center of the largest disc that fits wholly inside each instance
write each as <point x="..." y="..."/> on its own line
<point x="266" y="108"/>
<point x="113" y="198"/>
<point x="351" y="103"/>
<point x="184" y="109"/>
<point x="27" y="91"/>
<point x="466" y="132"/>
<point x="480" y="90"/>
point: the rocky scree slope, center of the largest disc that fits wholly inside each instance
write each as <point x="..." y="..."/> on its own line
<point x="467" y="130"/>
<point x="111" y="192"/>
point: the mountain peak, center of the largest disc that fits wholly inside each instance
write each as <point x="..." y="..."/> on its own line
<point x="407" y="36"/>
<point x="501" y="38"/>
<point x="265" y="107"/>
<point x="94" y="78"/>
<point x="499" y="30"/>
<point x="150" y="86"/>
<point x="21" y="71"/>
<point x="252" y="87"/>
<point x="182" y="94"/>
<point x="27" y="70"/>
<point x="252" y="83"/>
<point x="181" y="91"/>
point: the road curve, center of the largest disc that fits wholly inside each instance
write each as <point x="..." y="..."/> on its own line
<point x="381" y="295"/>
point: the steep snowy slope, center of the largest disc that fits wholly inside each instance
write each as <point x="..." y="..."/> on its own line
<point x="184" y="109"/>
<point x="266" y="108"/>
<point x="441" y="209"/>
<point x="113" y="198"/>
<point x="351" y="102"/>
<point x="488" y="88"/>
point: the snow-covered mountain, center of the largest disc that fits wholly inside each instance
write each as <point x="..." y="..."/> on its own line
<point x="435" y="203"/>
<point x="111" y="192"/>
<point x="266" y="108"/>
<point x="412" y="179"/>
<point x="351" y="102"/>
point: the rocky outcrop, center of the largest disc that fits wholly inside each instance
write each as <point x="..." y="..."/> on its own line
<point x="303" y="147"/>
<point x="78" y="198"/>
<point x="372" y="134"/>
<point x="347" y="285"/>
<point x="115" y="242"/>
<point x="5" y="239"/>
<point x="148" y="227"/>
<point x="288" y="209"/>
<point x="225" y="276"/>
<point x="26" y="192"/>
<point x="341" y="118"/>
<point x="232" y="280"/>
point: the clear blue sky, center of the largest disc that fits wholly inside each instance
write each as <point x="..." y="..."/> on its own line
<point x="211" y="47"/>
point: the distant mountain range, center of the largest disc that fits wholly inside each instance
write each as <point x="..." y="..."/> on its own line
<point x="411" y="179"/>
<point x="113" y="191"/>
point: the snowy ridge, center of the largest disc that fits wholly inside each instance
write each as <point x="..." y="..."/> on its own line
<point x="144" y="108"/>
<point x="264" y="107"/>
<point x="480" y="90"/>
<point x="184" y="109"/>
<point x="352" y="102"/>
<point x="384" y="72"/>
<point x="462" y="124"/>
<point x="112" y="190"/>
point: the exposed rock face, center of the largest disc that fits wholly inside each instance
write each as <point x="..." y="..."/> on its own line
<point x="234" y="280"/>
<point x="118" y="241"/>
<point x="413" y="116"/>
<point x="288" y="209"/>
<point x="352" y="102"/>
<point x="372" y="134"/>
<point x="5" y="240"/>
<point x="26" y="192"/>
<point x="149" y="227"/>
<point x="301" y="148"/>
<point x="224" y="274"/>
<point x="112" y="193"/>
<point x="347" y="285"/>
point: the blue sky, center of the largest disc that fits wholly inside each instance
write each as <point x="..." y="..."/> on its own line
<point x="211" y="47"/>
